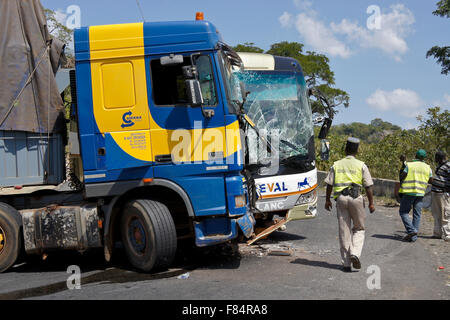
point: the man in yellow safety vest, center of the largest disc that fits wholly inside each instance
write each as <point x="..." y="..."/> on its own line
<point x="346" y="178"/>
<point x="416" y="176"/>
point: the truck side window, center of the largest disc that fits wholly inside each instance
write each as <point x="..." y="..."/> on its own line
<point x="169" y="83"/>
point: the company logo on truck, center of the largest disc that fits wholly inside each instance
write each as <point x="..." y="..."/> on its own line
<point x="129" y="119"/>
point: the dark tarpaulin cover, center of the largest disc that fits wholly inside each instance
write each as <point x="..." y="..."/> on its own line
<point x="24" y="38"/>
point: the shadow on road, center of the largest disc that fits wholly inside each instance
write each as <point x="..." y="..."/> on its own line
<point x="119" y="270"/>
<point x="396" y="237"/>
<point x="322" y="264"/>
<point x="285" y="236"/>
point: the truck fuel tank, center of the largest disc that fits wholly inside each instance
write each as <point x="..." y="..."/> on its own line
<point x="61" y="227"/>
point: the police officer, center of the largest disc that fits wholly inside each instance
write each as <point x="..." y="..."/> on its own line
<point x="416" y="176"/>
<point x="346" y="178"/>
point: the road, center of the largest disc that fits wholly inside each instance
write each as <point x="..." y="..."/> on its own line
<point x="311" y="271"/>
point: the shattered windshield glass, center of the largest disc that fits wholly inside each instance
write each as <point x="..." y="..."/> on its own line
<point x="278" y="104"/>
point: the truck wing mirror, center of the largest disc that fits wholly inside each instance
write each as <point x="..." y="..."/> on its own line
<point x="194" y="92"/>
<point x="171" y="60"/>
<point x="325" y="128"/>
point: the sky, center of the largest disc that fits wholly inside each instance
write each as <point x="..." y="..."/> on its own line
<point x="377" y="48"/>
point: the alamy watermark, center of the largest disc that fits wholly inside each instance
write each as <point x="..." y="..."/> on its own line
<point x="74" y="280"/>
<point x="73" y="19"/>
<point x="374" y="20"/>
<point x="225" y="146"/>
<point x="374" y="280"/>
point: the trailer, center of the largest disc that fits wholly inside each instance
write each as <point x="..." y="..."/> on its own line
<point x="154" y="144"/>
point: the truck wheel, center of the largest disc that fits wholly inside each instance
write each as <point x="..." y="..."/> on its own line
<point x="10" y="237"/>
<point x="148" y="234"/>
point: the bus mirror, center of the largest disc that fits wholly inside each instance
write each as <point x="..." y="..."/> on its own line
<point x="325" y="128"/>
<point x="194" y="93"/>
<point x="318" y="120"/>
<point x="244" y="91"/>
<point x="324" y="150"/>
<point x="171" y="60"/>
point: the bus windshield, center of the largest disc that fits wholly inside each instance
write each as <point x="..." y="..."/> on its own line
<point x="278" y="103"/>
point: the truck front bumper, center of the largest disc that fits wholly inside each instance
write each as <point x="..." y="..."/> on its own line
<point x="212" y="231"/>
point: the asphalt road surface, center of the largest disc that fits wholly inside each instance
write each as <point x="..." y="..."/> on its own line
<point x="300" y="263"/>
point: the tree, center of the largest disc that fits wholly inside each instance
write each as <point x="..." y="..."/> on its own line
<point x="442" y="54"/>
<point x="436" y="125"/>
<point x="318" y="75"/>
<point x="247" y="47"/>
<point x="61" y="32"/>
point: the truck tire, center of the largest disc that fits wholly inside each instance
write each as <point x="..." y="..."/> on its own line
<point x="148" y="234"/>
<point x="10" y="236"/>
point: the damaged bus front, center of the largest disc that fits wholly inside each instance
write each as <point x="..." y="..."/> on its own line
<point x="280" y="140"/>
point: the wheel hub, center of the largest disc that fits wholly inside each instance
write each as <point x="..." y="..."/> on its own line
<point x="2" y="239"/>
<point x="136" y="234"/>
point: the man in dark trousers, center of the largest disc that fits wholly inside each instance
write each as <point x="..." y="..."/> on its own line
<point x="415" y="179"/>
<point x="346" y="178"/>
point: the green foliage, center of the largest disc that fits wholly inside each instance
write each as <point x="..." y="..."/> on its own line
<point x="442" y="54"/>
<point x="382" y="157"/>
<point x="61" y="32"/>
<point x="437" y="127"/>
<point x="371" y="133"/>
<point x="247" y="47"/>
<point x="443" y="8"/>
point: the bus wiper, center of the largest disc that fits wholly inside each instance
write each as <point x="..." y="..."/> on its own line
<point x="291" y="145"/>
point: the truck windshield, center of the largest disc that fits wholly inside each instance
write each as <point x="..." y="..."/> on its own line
<point x="279" y="105"/>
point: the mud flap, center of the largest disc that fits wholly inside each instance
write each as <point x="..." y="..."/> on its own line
<point x="246" y="223"/>
<point x="268" y="231"/>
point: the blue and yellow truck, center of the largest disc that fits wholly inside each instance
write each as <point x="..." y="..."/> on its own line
<point x="155" y="146"/>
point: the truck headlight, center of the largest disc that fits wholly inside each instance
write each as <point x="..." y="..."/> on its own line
<point x="307" y="197"/>
<point x="240" y="201"/>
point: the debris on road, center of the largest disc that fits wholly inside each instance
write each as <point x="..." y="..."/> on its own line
<point x="184" y="276"/>
<point x="280" y="253"/>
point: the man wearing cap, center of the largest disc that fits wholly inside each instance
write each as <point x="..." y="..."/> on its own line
<point x="440" y="197"/>
<point x="416" y="176"/>
<point x="346" y="178"/>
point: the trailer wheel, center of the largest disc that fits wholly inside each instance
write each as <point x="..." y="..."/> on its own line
<point x="10" y="237"/>
<point x="148" y="234"/>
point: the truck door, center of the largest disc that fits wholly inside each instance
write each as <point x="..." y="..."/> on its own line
<point x="188" y="147"/>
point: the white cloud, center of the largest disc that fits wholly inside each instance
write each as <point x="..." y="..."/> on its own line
<point x="389" y="38"/>
<point x="341" y="39"/>
<point x="401" y="101"/>
<point x="320" y="37"/>
<point x="285" y="19"/>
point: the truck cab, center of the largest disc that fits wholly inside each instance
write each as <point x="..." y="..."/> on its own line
<point x="155" y="147"/>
